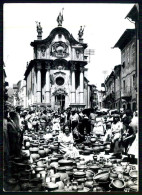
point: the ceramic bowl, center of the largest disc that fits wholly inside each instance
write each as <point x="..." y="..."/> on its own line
<point x="94" y="167"/>
<point x="79" y="174"/>
<point x="133" y="174"/>
<point x="102" y="176"/>
<point x="118" y="184"/>
<point x="134" y="188"/>
<point x="81" y="167"/>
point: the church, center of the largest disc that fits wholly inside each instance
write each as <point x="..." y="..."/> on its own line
<point x="56" y="76"/>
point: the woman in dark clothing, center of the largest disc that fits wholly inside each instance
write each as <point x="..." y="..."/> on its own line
<point x="14" y="136"/>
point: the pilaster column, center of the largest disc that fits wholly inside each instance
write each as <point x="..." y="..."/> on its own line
<point x="35" y="85"/>
<point x="47" y="80"/>
<point x="73" y="84"/>
<point x="38" y="83"/>
<point x="81" y="85"/>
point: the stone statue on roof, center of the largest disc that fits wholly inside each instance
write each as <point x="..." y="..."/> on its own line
<point x="38" y="26"/>
<point x="60" y="18"/>
<point x="80" y="33"/>
<point x="39" y="30"/>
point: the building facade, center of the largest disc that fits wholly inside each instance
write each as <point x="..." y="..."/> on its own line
<point x="56" y="75"/>
<point x="121" y="84"/>
<point x="127" y="45"/>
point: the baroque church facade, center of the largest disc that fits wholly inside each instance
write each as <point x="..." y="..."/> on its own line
<point x="56" y="76"/>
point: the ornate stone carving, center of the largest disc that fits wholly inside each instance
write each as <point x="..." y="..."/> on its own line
<point x="59" y="50"/>
<point x="59" y="74"/>
<point x="59" y="91"/>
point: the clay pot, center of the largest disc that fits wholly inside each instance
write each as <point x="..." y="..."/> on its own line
<point x="69" y="168"/>
<point x="108" y="165"/>
<point x="89" y="173"/>
<point x="41" y="152"/>
<point x="81" y="167"/>
<point x="86" y="152"/>
<point x="97" y="189"/>
<point x="81" y="147"/>
<point x="35" y="156"/>
<point x="133" y="174"/>
<point x="34" y="144"/>
<point x="129" y="183"/>
<point x="107" y="145"/>
<point x="79" y="174"/>
<point x="102" y="176"/>
<point x="54" y="159"/>
<point x="52" y="186"/>
<point x="117" y="184"/>
<point x="118" y="169"/>
<point x="59" y="156"/>
<point x="54" y="165"/>
<point x="133" y="188"/>
<point x="93" y="139"/>
<point x="33" y="150"/>
<point x="94" y="168"/>
<point x="89" y="184"/>
<point x="65" y="162"/>
<point x="113" y="175"/>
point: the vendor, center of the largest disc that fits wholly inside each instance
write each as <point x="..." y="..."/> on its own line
<point x="66" y="142"/>
<point x="116" y="129"/>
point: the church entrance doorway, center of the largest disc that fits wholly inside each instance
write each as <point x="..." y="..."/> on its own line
<point x="60" y="101"/>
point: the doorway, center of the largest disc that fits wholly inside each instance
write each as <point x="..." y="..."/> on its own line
<point x="60" y="100"/>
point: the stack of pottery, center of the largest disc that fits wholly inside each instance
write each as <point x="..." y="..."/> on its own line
<point x="41" y="152"/>
<point x="79" y="174"/>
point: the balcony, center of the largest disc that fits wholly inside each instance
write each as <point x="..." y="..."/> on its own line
<point x="126" y="93"/>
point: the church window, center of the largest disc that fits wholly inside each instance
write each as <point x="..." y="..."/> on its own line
<point x="59" y="81"/>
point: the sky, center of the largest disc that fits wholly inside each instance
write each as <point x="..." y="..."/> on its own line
<point x="104" y="25"/>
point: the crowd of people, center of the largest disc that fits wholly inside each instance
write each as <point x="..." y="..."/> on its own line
<point x="72" y="127"/>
